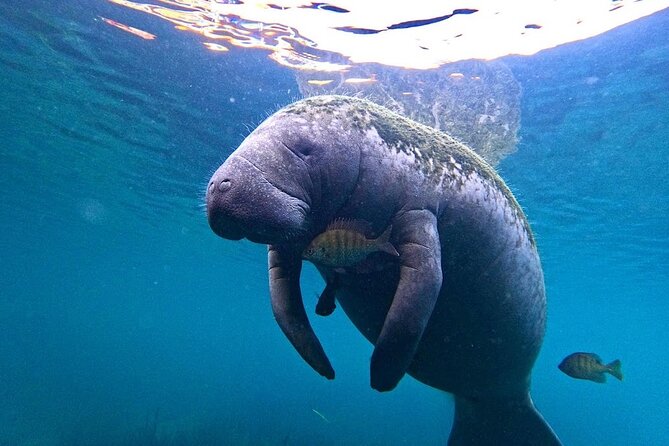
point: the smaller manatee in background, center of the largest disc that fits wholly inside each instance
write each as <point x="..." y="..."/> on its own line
<point x="344" y="244"/>
<point x="590" y="366"/>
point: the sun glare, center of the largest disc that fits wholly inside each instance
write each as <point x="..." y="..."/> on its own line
<point x="421" y="34"/>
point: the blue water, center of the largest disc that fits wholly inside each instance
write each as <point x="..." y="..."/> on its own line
<point x="125" y="320"/>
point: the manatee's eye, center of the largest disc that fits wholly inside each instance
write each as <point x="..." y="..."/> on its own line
<point x="307" y="150"/>
<point x="309" y="251"/>
<point x="301" y="150"/>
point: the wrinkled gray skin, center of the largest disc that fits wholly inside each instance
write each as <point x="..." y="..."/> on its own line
<point x="463" y="307"/>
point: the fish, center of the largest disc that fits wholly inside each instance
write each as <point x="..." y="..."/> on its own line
<point x="590" y="366"/>
<point x="344" y="244"/>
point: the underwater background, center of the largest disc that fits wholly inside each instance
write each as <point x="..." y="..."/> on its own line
<point x="125" y="321"/>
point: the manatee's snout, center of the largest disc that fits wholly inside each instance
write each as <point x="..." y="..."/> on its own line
<point x="246" y="199"/>
<point x="217" y="200"/>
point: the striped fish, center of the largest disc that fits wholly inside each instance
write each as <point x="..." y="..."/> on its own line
<point x="590" y="366"/>
<point x="344" y="244"/>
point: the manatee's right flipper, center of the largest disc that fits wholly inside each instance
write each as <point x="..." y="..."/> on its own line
<point x="500" y="423"/>
<point x="326" y="303"/>
<point x="284" y="289"/>
<point x="415" y="297"/>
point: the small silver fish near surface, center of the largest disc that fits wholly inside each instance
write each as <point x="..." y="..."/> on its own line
<point x="590" y="366"/>
<point x="344" y="244"/>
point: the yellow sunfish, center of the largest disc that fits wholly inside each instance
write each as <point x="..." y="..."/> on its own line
<point x="590" y="366"/>
<point x="344" y="244"/>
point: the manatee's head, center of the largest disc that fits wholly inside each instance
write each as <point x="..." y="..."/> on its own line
<point x="273" y="186"/>
<point x="256" y="196"/>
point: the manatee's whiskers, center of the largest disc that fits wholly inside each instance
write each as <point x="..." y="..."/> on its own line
<point x="203" y="188"/>
<point x="249" y="128"/>
<point x="202" y="207"/>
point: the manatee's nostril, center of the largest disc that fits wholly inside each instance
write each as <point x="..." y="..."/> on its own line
<point x="210" y="188"/>
<point x="224" y="185"/>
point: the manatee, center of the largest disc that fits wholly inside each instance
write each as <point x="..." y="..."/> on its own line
<point x="461" y="309"/>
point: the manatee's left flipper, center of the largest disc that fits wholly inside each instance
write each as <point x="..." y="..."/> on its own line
<point x="415" y="297"/>
<point x="289" y="312"/>
<point x="326" y="302"/>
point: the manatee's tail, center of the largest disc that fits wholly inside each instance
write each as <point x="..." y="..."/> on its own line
<point x="615" y="369"/>
<point x="500" y="423"/>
